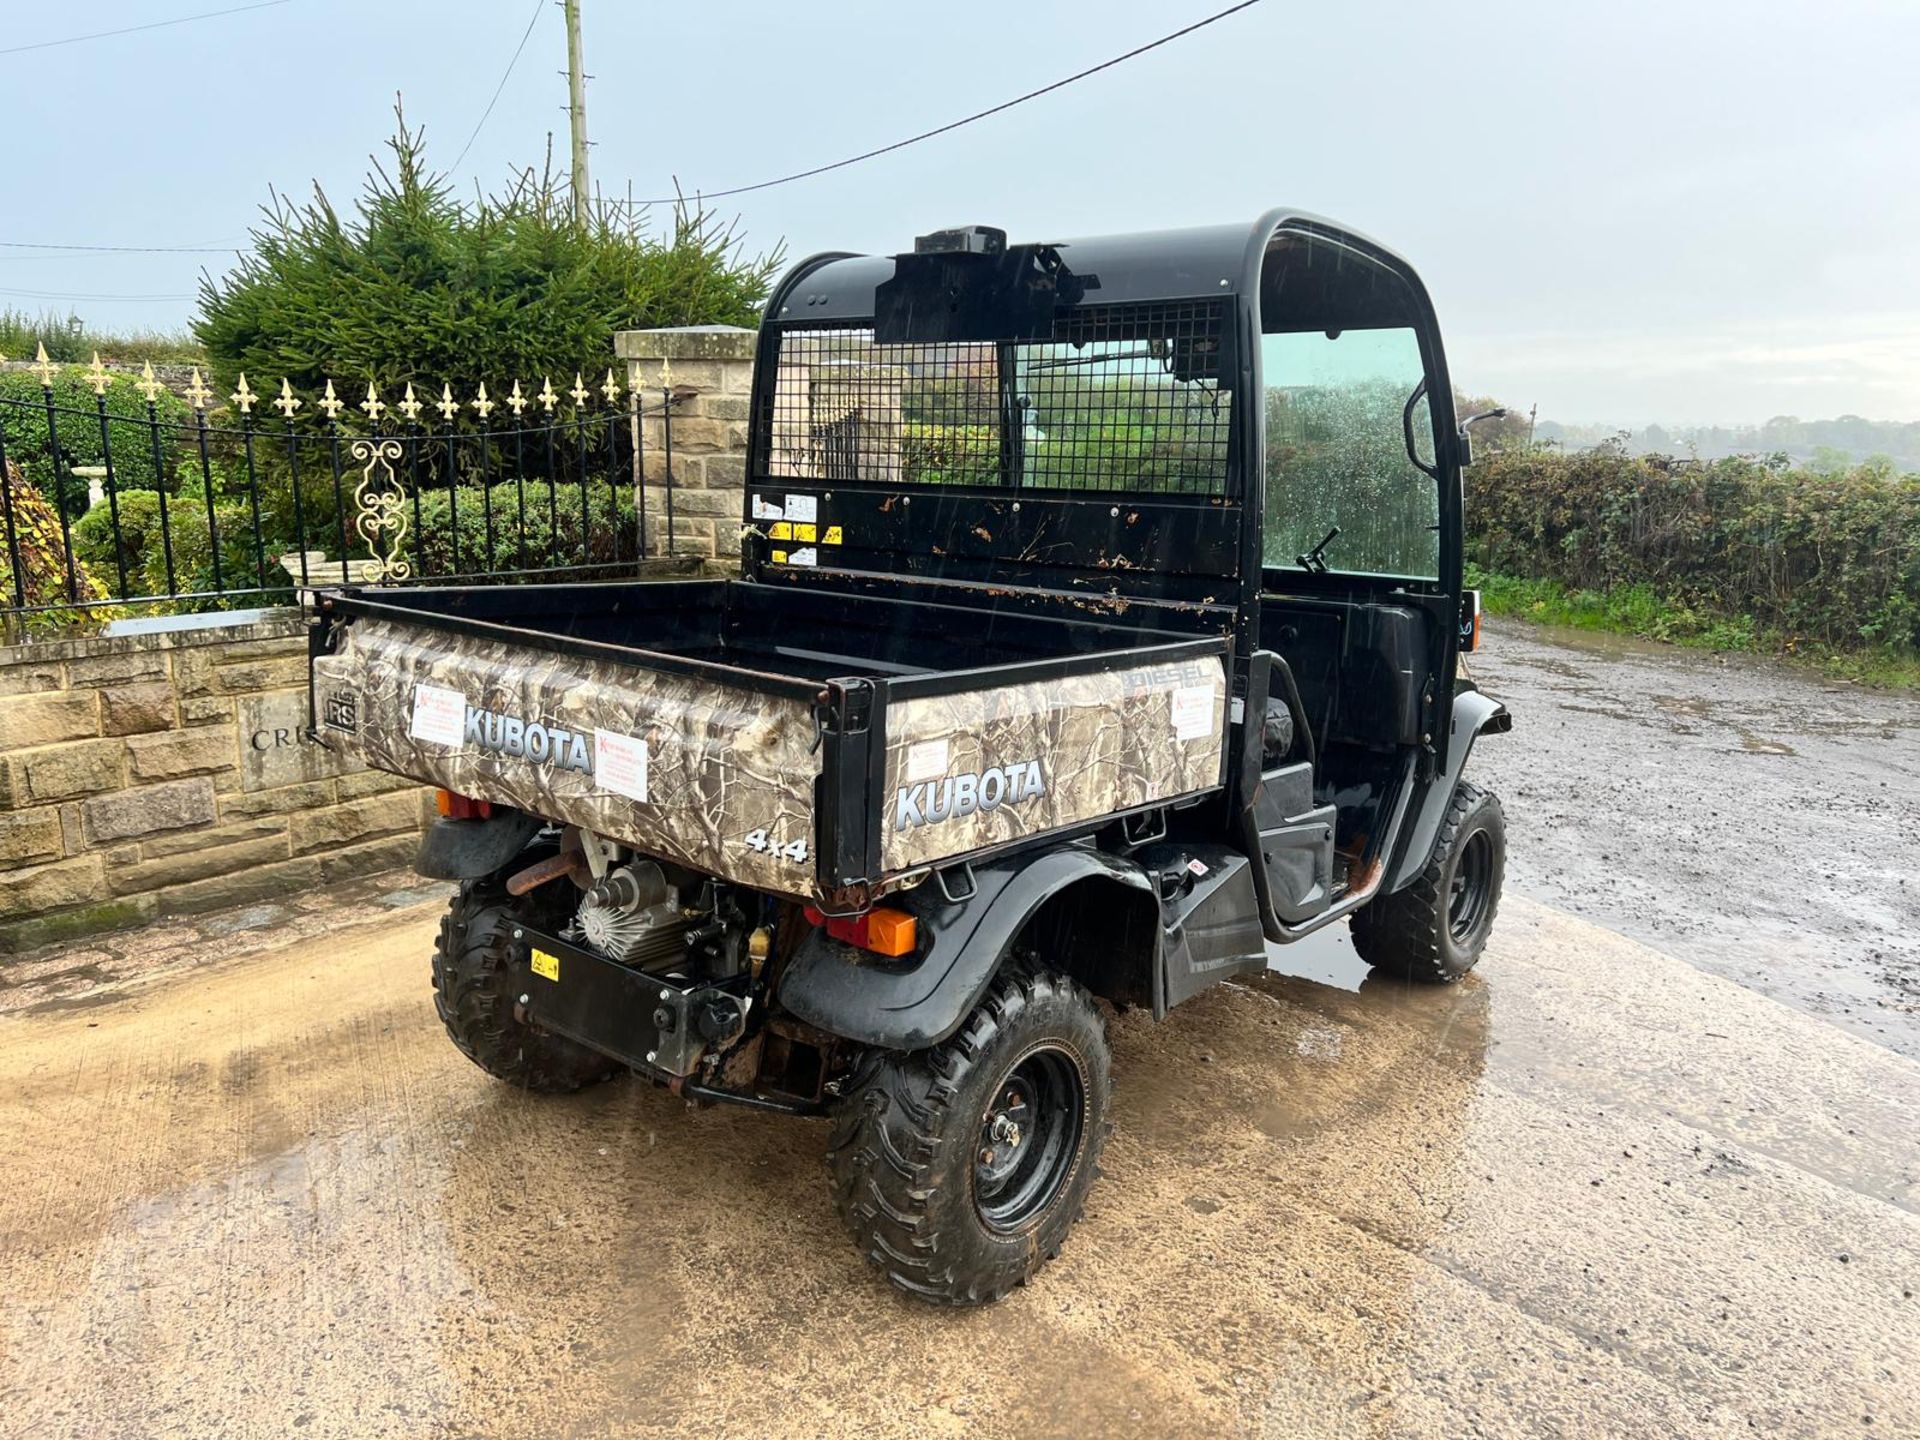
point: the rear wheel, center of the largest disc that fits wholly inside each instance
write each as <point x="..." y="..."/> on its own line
<point x="477" y="966"/>
<point x="960" y="1169"/>
<point x="1436" y="928"/>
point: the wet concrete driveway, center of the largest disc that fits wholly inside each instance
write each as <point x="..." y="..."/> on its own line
<point x="1749" y="817"/>
<point x="1591" y="1192"/>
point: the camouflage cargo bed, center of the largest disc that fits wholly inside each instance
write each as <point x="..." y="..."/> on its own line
<point x="764" y="738"/>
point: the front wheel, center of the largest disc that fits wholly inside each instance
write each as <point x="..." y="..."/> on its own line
<point x="1436" y="928"/>
<point x="960" y="1169"/>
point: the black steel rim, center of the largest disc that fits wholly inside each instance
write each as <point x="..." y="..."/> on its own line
<point x="1029" y="1139"/>
<point x="1472" y="884"/>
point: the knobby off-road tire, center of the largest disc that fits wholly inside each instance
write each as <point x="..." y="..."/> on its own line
<point x="474" y="990"/>
<point x="959" y="1170"/>
<point x="1435" y="929"/>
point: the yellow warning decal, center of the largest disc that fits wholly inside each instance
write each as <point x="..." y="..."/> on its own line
<point x="804" y="532"/>
<point x="780" y="530"/>
<point x="779" y="557"/>
<point x="546" y="966"/>
<point x="832" y="537"/>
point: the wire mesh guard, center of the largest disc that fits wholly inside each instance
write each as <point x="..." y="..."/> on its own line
<point x="1122" y="398"/>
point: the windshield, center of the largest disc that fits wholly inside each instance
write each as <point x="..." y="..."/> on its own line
<point x="1336" y="454"/>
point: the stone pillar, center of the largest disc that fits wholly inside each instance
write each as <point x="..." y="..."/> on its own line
<point x="709" y="369"/>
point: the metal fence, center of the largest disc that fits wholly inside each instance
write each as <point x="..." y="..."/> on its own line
<point x="117" y="492"/>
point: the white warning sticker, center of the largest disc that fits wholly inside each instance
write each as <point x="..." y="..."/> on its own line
<point x="620" y="763"/>
<point x="802" y="507"/>
<point x="926" y="760"/>
<point x="767" y="510"/>
<point x="1193" y="712"/>
<point x="439" y="715"/>
<point x="806" y="556"/>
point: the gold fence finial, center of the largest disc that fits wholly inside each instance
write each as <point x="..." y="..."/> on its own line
<point x="288" y="401"/>
<point x="149" y="386"/>
<point x="666" y="373"/>
<point x="197" y="392"/>
<point x="409" y="406"/>
<point x="244" y="397"/>
<point x="482" y="405"/>
<point x="332" y="403"/>
<point x="546" y="397"/>
<point x="373" y="404"/>
<point x="612" y="388"/>
<point x="97" y="376"/>
<point x="446" y="404"/>
<point x="44" y="367"/>
<point x="516" y="402"/>
<point x="579" y="392"/>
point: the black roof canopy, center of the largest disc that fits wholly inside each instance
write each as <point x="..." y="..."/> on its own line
<point x="1142" y="266"/>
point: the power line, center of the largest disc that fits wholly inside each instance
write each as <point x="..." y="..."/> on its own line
<point x="150" y="25"/>
<point x="968" y="120"/>
<point x="538" y="6"/>
<point x="120" y="249"/>
<point x="64" y="295"/>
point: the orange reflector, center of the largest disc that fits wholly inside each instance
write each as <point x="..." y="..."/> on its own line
<point x="459" y="807"/>
<point x="890" y="932"/>
<point x="884" y="932"/>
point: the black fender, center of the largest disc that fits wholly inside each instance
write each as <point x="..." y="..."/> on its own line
<point x="1473" y="713"/>
<point x="471" y="849"/>
<point x="916" y="1003"/>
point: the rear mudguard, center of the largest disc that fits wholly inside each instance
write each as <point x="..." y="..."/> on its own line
<point x="470" y="849"/>
<point x="1114" y="934"/>
<point x="919" y="1002"/>
<point x="1473" y="714"/>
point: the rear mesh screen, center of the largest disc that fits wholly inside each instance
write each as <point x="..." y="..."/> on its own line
<point x="1121" y="398"/>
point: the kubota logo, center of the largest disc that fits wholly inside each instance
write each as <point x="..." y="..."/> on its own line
<point x="542" y="744"/>
<point x="932" y="801"/>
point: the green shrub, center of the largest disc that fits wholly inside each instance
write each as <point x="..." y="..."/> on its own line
<point x="417" y="285"/>
<point x="76" y="422"/>
<point x="932" y="454"/>
<point x="1831" y="556"/>
<point x="185" y="543"/>
<point x="550" y="538"/>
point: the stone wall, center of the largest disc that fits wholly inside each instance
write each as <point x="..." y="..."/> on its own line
<point x="709" y="369"/>
<point x="164" y="773"/>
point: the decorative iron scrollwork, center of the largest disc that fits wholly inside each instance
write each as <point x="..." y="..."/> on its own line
<point x="380" y="510"/>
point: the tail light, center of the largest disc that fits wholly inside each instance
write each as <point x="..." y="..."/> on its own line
<point x="881" y="930"/>
<point x="461" y="807"/>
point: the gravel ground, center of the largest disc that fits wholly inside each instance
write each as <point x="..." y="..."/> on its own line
<point x="1740" y="814"/>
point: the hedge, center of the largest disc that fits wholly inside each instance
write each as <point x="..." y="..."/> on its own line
<point x="1833" y="557"/>
<point x="23" y="414"/>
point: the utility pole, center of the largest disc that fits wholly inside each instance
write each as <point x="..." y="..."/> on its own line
<point x="577" y="111"/>
<point x="1533" y="411"/>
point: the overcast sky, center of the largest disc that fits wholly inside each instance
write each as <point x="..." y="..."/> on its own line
<point x="1626" y="211"/>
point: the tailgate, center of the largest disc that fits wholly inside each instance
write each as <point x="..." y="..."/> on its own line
<point x="716" y="774"/>
<point x="984" y="760"/>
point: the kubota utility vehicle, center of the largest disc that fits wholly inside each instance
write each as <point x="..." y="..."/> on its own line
<point x="1097" y="626"/>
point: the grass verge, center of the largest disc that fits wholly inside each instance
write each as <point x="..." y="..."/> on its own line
<point x="1638" y="610"/>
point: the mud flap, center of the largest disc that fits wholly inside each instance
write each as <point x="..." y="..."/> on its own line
<point x="1472" y="714"/>
<point x="469" y="849"/>
<point x="894" y="1006"/>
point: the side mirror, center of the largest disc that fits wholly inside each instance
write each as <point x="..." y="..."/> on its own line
<point x="1466" y="432"/>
